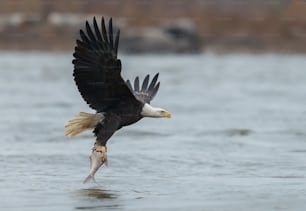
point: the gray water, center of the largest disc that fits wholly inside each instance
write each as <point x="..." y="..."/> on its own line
<point x="237" y="139"/>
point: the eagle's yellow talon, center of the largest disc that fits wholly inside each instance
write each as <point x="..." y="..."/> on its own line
<point x="103" y="151"/>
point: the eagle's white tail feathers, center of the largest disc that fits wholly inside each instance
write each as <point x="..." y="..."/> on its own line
<point x="81" y="122"/>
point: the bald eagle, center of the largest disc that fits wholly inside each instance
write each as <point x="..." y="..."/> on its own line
<point x="97" y="74"/>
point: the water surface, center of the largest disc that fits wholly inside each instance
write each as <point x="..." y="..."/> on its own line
<point x="237" y="139"/>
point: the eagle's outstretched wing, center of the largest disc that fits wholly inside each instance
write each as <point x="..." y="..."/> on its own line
<point x="146" y="93"/>
<point x="97" y="68"/>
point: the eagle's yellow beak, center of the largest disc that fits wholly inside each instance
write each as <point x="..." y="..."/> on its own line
<point x="168" y="114"/>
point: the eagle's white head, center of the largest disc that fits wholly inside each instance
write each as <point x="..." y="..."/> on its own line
<point x="150" y="111"/>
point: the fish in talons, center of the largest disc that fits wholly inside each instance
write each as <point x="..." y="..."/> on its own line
<point x="97" y="158"/>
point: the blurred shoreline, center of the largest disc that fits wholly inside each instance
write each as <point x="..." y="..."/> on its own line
<point x="158" y="27"/>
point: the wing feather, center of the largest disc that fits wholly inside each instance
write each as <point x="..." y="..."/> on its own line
<point x="84" y="37"/>
<point x="90" y="33"/>
<point x="104" y="33"/>
<point x="128" y="83"/>
<point x="153" y="82"/>
<point x="110" y="31"/>
<point x="155" y="90"/>
<point x="117" y="41"/>
<point x="136" y="84"/>
<point x="97" y="31"/>
<point x="145" y="83"/>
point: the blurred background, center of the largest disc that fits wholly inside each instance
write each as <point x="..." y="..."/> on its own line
<point x="232" y="74"/>
<point x="159" y="26"/>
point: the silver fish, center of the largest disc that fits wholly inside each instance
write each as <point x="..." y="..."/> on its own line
<point x="97" y="159"/>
